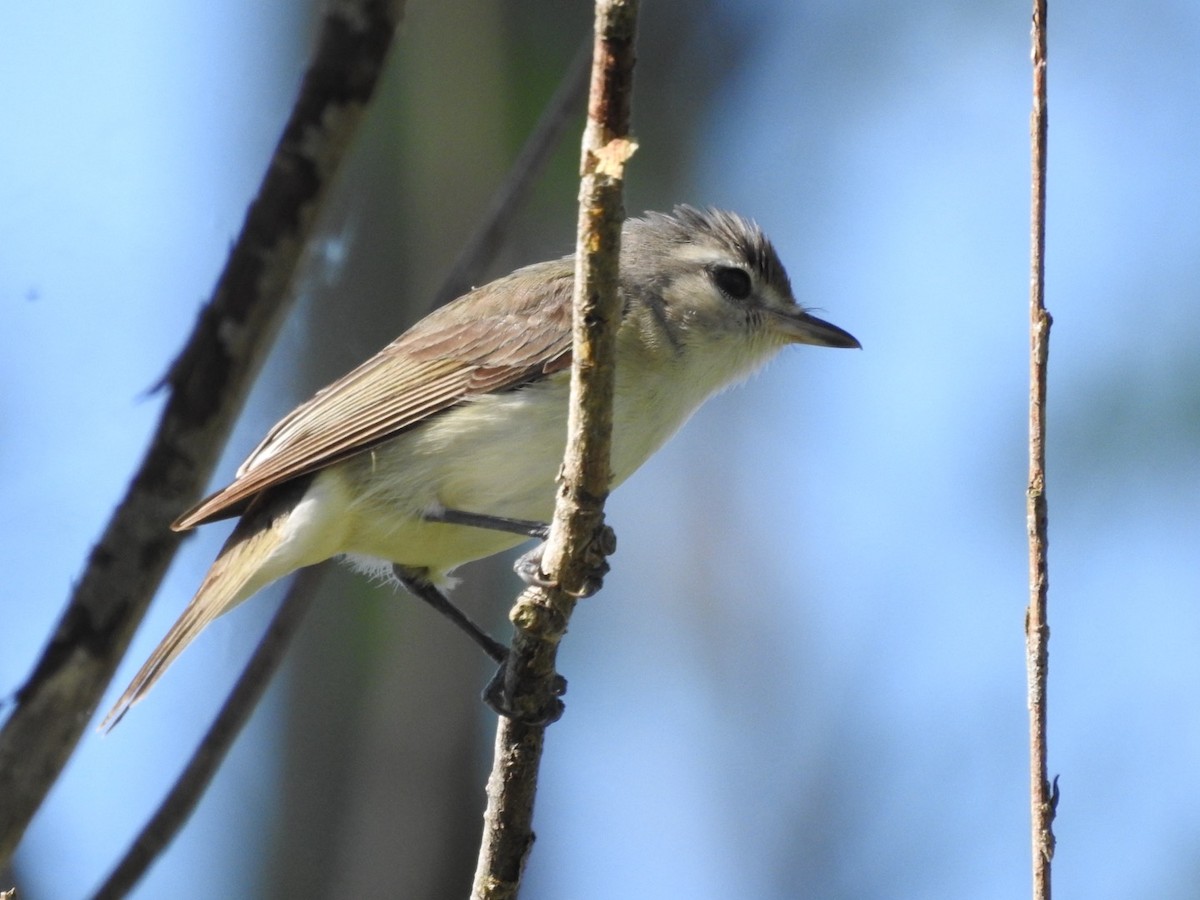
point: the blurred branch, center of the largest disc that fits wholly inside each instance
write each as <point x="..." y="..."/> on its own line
<point x="468" y="268"/>
<point x="179" y="803"/>
<point x="207" y="382"/>
<point x="1044" y="795"/>
<point x="577" y="532"/>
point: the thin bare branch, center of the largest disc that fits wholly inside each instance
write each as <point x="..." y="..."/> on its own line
<point x="577" y="532"/>
<point x="1044" y="795"/>
<point x="207" y="382"/>
<point x="179" y="803"/>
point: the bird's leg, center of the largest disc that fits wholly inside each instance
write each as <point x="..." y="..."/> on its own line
<point x="492" y="523"/>
<point x="420" y="586"/>
<point x="495" y="695"/>
<point x="528" y="567"/>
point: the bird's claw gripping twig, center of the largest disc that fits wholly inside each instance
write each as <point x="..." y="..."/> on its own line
<point x="602" y="545"/>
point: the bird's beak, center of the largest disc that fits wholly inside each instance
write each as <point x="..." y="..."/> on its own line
<point x="802" y="328"/>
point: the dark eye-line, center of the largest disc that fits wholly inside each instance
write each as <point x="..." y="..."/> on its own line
<point x="733" y="282"/>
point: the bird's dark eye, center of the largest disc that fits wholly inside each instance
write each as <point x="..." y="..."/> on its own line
<point x="732" y="282"/>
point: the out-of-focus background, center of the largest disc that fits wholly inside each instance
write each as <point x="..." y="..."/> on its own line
<point x="804" y="677"/>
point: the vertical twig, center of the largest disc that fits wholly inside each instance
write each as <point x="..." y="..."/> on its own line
<point x="541" y="614"/>
<point x="1043" y="795"/>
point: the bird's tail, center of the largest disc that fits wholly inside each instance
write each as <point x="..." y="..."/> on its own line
<point x="239" y="570"/>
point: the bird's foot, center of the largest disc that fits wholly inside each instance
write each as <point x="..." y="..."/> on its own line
<point x="531" y="707"/>
<point x="603" y="544"/>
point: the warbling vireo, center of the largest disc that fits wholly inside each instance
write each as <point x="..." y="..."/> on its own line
<point x="462" y="419"/>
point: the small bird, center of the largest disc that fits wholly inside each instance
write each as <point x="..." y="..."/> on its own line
<point x="444" y="446"/>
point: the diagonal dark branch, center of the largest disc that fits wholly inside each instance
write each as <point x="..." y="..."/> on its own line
<point x="541" y="614"/>
<point x="207" y="384"/>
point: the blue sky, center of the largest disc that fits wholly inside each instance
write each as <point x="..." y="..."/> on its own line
<point x="858" y="561"/>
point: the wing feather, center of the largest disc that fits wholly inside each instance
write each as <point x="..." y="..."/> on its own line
<point x="476" y="345"/>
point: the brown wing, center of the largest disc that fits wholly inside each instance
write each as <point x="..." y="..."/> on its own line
<point x="505" y="334"/>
